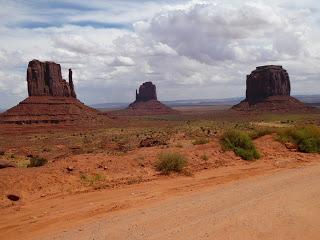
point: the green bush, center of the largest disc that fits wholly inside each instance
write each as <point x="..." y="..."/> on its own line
<point x="306" y="138"/>
<point x="37" y="162"/>
<point x="240" y="143"/>
<point x="200" y="141"/>
<point x="260" y="132"/>
<point x="170" y="162"/>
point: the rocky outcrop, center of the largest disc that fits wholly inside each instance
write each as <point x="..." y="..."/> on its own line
<point x="268" y="90"/>
<point x="147" y="91"/>
<point x="45" y="79"/>
<point x="275" y="104"/>
<point x="146" y="103"/>
<point x="44" y="109"/>
<point x="51" y="99"/>
<point x="267" y="81"/>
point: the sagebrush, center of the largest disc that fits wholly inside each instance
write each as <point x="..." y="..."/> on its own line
<point x="170" y="162"/>
<point x="240" y="143"/>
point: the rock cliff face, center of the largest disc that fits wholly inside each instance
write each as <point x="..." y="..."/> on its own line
<point x="51" y="99"/>
<point x="268" y="90"/>
<point x="45" y="79"/>
<point x="147" y="91"/>
<point x="267" y="81"/>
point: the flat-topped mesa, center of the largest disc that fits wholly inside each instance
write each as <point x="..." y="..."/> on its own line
<point x="267" y="81"/>
<point x="268" y="90"/>
<point x="45" y="79"/>
<point x="147" y="91"/>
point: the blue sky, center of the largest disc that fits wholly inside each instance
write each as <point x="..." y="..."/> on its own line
<point x="190" y="49"/>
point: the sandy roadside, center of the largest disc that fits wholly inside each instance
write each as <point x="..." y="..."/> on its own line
<point x="280" y="204"/>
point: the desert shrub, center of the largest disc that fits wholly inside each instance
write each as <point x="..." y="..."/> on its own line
<point x="306" y="138"/>
<point x="240" y="143"/>
<point x="200" y="141"/>
<point x="170" y="162"/>
<point x="91" y="179"/>
<point x="260" y="132"/>
<point x="37" y="161"/>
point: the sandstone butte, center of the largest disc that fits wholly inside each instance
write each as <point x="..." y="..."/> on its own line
<point x="268" y="90"/>
<point x="51" y="98"/>
<point x="147" y="103"/>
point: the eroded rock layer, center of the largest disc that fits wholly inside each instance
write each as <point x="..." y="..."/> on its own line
<point x="275" y="104"/>
<point x="51" y="99"/>
<point x="151" y="107"/>
<point x="44" y="109"/>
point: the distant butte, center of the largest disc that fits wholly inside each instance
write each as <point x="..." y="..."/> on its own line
<point x="147" y="92"/>
<point x="51" y="98"/>
<point x="146" y="103"/>
<point x="268" y="90"/>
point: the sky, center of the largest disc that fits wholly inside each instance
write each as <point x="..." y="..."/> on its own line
<point x="193" y="49"/>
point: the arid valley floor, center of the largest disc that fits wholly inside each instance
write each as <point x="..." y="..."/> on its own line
<point x="101" y="182"/>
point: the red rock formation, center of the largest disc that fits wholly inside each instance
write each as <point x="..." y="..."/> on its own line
<point x="51" y="99"/>
<point x="146" y="103"/>
<point x="147" y="91"/>
<point x="275" y="104"/>
<point x="72" y="91"/>
<point x="267" y="81"/>
<point x="44" y="109"/>
<point x="268" y="90"/>
<point x="45" y="79"/>
<point x="151" y="107"/>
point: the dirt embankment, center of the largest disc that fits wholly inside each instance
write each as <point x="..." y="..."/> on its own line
<point x="55" y="199"/>
<point x="88" y="172"/>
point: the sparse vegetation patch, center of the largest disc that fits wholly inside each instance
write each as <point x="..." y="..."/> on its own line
<point x="170" y="162"/>
<point x="37" y="161"/>
<point x="91" y="179"/>
<point x="200" y="141"/>
<point x="240" y="143"/>
<point x="260" y="132"/>
<point x="306" y="138"/>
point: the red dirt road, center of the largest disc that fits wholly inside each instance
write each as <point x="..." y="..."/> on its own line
<point x="250" y="203"/>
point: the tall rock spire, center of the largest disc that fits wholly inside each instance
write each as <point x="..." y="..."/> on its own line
<point x="72" y="92"/>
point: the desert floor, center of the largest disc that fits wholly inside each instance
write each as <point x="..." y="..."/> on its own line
<point x="101" y="183"/>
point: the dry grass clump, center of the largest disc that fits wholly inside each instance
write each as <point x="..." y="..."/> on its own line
<point x="200" y="141"/>
<point x="170" y="162"/>
<point x="91" y="179"/>
<point x="240" y="143"/>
